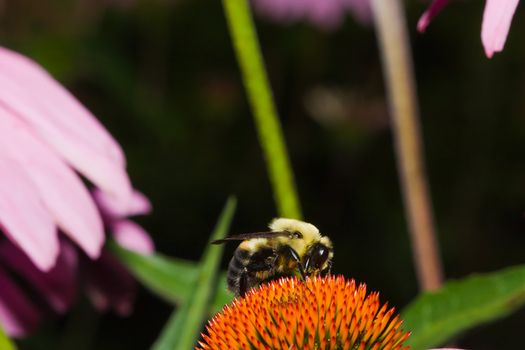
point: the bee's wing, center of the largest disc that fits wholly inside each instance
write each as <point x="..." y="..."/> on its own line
<point x="245" y="236"/>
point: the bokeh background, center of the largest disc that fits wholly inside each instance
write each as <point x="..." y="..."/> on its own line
<point x="162" y="77"/>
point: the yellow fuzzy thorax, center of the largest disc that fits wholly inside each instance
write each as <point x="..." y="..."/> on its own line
<point x="309" y="232"/>
<point x="310" y="235"/>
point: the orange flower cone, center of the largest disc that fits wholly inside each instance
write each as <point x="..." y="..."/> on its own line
<point x="321" y="313"/>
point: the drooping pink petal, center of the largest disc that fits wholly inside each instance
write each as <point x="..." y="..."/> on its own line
<point x="327" y="14"/>
<point x="63" y="123"/>
<point x="360" y="9"/>
<point x="433" y="10"/>
<point x="58" y="187"/>
<point x="279" y="10"/>
<point x="18" y="315"/>
<point x="110" y="286"/>
<point x="58" y="286"/>
<point x="23" y="217"/>
<point x="133" y="237"/>
<point x="137" y="205"/>
<point x="497" y="18"/>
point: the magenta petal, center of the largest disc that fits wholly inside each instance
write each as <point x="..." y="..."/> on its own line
<point x="360" y="9"/>
<point x="496" y="24"/>
<point x="279" y="10"/>
<point x="62" y="122"/>
<point x="23" y="217"/>
<point x="18" y="315"/>
<point x="433" y="10"/>
<point x="138" y="205"/>
<point x="327" y="14"/>
<point x="133" y="237"/>
<point x="110" y="286"/>
<point x="58" y="286"/>
<point x="59" y="188"/>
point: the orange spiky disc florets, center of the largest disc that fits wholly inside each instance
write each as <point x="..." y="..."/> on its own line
<point x="321" y="313"/>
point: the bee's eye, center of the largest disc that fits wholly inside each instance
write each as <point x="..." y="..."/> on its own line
<point x="322" y="254"/>
<point x="319" y="256"/>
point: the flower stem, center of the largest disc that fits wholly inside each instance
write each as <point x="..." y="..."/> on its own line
<point x="246" y="45"/>
<point x="394" y="45"/>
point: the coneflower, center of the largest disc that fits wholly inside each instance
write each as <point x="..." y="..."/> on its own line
<point x="321" y="313"/>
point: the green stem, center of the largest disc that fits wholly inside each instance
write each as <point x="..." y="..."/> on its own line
<point x="394" y="44"/>
<point x="5" y="342"/>
<point x="246" y="45"/>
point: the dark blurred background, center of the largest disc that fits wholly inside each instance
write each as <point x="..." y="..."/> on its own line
<point x="162" y="76"/>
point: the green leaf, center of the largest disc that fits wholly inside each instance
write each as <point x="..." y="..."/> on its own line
<point x="184" y="325"/>
<point x="222" y="296"/>
<point x="436" y="317"/>
<point x="5" y="342"/>
<point x="170" y="278"/>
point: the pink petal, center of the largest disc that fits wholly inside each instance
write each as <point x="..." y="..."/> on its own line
<point x="327" y="14"/>
<point x="496" y="24"/>
<point x="133" y="237"/>
<point x="360" y="9"/>
<point x="433" y="10"/>
<point x="23" y="217"/>
<point x="280" y="10"/>
<point x="58" y="285"/>
<point x="110" y="286"/>
<point x="59" y="188"/>
<point x="137" y="205"/>
<point x="62" y="122"/>
<point x="18" y="314"/>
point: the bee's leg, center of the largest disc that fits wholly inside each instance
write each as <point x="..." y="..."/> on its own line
<point x="243" y="283"/>
<point x="295" y="257"/>
<point x="329" y="269"/>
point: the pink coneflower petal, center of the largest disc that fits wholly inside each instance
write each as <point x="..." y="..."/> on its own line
<point x="279" y="10"/>
<point x="327" y="14"/>
<point x="58" y="286"/>
<point x="23" y="217"/>
<point x="110" y="286"/>
<point x="59" y="188"/>
<point x="496" y="24"/>
<point x="45" y="135"/>
<point x="433" y="10"/>
<point x="133" y="237"/>
<point x="361" y="10"/>
<point x="137" y="205"/>
<point x="62" y="122"/>
<point x="18" y="315"/>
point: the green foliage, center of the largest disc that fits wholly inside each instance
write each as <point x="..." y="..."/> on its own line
<point x="171" y="279"/>
<point x="222" y="295"/>
<point x="184" y="325"/>
<point x="436" y="317"/>
<point x="242" y="31"/>
<point x="5" y="342"/>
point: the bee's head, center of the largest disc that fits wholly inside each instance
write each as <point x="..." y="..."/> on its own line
<point x="318" y="258"/>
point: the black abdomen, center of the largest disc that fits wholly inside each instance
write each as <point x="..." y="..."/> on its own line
<point x="237" y="269"/>
<point x="247" y="269"/>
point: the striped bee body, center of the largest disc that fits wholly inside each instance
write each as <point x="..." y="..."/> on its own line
<point x="292" y="248"/>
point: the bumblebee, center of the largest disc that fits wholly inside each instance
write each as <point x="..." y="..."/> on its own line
<point x="292" y="247"/>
